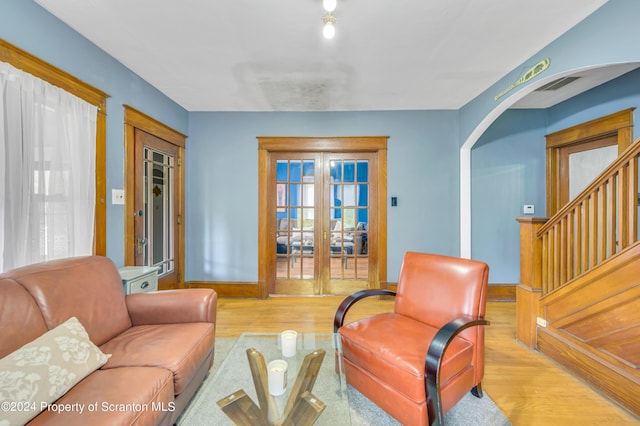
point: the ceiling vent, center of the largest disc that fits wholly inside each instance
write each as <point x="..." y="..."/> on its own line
<point x="556" y="84"/>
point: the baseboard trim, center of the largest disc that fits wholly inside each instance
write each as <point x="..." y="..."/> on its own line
<point x="246" y="290"/>
<point x="249" y="290"/>
<point x="502" y="292"/>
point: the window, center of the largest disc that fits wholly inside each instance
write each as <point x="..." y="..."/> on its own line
<point x="48" y="155"/>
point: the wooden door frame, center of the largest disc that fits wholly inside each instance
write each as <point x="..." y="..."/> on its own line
<point x="344" y="144"/>
<point x="134" y="119"/>
<point x="619" y="124"/>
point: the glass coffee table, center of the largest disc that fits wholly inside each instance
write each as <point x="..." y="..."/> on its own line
<point x="238" y="393"/>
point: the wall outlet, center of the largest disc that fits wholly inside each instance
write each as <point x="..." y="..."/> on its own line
<point x="528" y="209"/>
<point x="541" y="322"/>
<point x="117" y="196"/>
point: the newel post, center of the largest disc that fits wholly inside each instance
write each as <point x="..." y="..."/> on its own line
<point x="529" y="290"/>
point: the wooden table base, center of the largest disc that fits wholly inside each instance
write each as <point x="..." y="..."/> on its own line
<point x="302" y="407"/>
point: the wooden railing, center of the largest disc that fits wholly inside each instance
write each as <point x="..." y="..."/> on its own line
<point x="597" y="224"/>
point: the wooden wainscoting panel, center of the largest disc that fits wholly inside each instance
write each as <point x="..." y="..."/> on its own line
<point x="592" y="327"/>
<point x="614" y="381"/>
<point x="527" y="312"/>
<point x="606" y="280"/>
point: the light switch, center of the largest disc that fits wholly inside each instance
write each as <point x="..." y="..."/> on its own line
<point x="117" y="196"/>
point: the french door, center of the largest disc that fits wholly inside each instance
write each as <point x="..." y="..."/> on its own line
<point x="322" y="222"/>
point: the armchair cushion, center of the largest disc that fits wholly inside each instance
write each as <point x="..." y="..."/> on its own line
<point x="393" y="347"/>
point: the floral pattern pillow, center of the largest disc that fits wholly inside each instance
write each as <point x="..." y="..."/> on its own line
<point x="43" y="370"/>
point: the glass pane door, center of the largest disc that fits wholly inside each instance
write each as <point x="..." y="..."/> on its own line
<point x="349" y="215"/>
<point x="295" y="218"/>
<point x="320" y="217"/>
<point x="158" y="249"/>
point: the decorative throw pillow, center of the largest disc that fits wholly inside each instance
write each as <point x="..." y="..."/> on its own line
<point x="44" y="369"/>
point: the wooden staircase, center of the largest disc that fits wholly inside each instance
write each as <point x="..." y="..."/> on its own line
<point x="579" y="295"/>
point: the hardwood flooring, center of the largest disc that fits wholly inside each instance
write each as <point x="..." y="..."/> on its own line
<point x="528" y="387"/>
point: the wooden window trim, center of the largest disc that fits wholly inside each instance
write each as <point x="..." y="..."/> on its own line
<point x="43" y="70"/>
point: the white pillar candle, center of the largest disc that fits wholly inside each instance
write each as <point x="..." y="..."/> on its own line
<point x="277" y="376"/>
<point x="288" y="341"/>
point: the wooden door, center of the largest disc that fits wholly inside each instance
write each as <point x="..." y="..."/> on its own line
<point x="156" y="206"/>
<point x="349" y="229"/>
<point x="582" y="162"/>
<point x="612" y="130"/>
<point x="296" y="212"/>
<point x="324" y="205"/>
<point x="322" y="227"/>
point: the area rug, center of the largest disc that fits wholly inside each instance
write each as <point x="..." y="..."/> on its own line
<point x="470" y="411"/>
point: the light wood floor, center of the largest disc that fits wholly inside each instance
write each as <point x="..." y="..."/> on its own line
<point x="529" y="388"/>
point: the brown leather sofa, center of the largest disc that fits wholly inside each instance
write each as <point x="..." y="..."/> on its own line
<point x="161" y="343"/>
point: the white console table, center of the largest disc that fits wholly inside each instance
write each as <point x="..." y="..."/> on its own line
<point x="139" y="279"/>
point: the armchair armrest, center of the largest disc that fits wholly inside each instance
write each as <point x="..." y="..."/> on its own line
<point x="347" y="303"/>
<point x="433" y="361"/>
<point x="173" y="306"/>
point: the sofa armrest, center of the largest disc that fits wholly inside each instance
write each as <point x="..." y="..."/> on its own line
<point x="173" y="306"/>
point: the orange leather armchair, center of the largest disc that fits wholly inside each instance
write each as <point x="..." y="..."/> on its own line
<point x="419" y="360"/>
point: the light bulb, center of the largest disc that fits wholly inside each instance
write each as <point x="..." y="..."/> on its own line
<point x="329" y="30"/>
<point x="329" y="5"/>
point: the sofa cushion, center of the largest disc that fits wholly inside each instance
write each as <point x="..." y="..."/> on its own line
<point x="401" y="365"/>
<point x="88" y="288"/>
<point x="46" y="368"/>
<point x="117" y="396"/>
<point x="20" y="318"/>
<point x="180" y="348"/>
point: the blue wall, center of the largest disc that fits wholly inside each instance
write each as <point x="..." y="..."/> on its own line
<point x="423" y="160"/>
<point x="616" y="95"/>
<point x="29" y="27"/>
<point x="508" y="171"/>
<point x="222" y="177"/>
<point x="608" y="36"/>
<point x="508" y="168"/>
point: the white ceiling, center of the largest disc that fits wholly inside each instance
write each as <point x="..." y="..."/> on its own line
<point x="259" y="55"/>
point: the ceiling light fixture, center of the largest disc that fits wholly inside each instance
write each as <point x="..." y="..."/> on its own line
<point x="329" y="5"/>
<point x="329" y="29"/>
<point x="329" y="21"/>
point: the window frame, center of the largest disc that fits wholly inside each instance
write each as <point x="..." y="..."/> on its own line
<point x="33" y="65"/>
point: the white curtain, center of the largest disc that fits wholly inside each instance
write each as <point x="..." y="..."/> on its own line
<point x="47" y="171"/>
